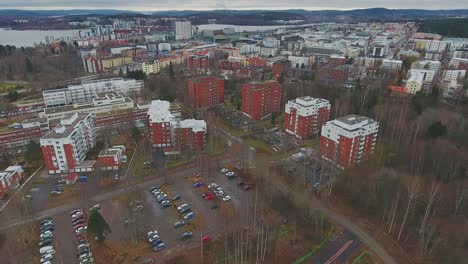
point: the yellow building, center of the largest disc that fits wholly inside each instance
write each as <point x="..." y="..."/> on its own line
<point x="112" y="62"/>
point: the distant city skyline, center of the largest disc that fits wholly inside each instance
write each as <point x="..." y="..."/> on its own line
<point x="161" y="5"/>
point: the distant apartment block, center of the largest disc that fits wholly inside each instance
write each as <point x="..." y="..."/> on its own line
<point x="198" y="62"/>
<point x="102" y="104"/>
<point x="64" y="148"/>
<point x="88" y="90"/>
<point x="348" y="140"/>
<point x="169" y="132"/>
<point x="261" y="99"/>
<point x="305" y="116"/>
<point x="183" y="30"/>
<point x="9" y="179"/>
<point x="19" y="135"/>
<point x="205" y="92"/>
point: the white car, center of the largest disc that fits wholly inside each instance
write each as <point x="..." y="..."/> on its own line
<point x="86" y="255"/>
<point x="224" y="170"/>
<point x="46" y="257"/>
<point x="80" y="229"/>
<point x="151" y="233"/>
<point x="75" y="215"/>
<point x="230" y="173"/>
<point x="153" y="238"/>
<point x="213" y="185"/>
<point x="46" y="234"/>
<point x="226" y="198"/>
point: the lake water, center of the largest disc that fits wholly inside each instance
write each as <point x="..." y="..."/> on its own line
<point x="27" y="38"/>
<point x="245" y="28"/>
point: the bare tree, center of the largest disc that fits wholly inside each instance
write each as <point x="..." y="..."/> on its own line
<point x="413" y="192"/>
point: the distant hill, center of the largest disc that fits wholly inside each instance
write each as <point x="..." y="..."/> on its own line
<point x="47" y="13"/>
<point x="453" y="27"/>
<point x="291" y="14"/>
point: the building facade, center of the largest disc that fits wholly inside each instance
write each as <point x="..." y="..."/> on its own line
<point x="183" y="30"/>
<point x="111" y="158"/>
<point x="348" y="140"/>
<point x="261" y="99"/>
<point x="9" y="179"/>
<point x="305" y="116"/>
<point x="205" y="92"/>
<point x="88" y="90"/>
<point x="65" y="147"/>
<point x="169" y="132"/>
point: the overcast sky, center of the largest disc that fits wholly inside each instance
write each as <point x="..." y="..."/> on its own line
<point x="150" y="5"/>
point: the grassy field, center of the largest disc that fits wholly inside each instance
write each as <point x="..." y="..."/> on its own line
<point x="6" y="86"/>
<point x="179" y="162"/>
<point x="258" y="144"/>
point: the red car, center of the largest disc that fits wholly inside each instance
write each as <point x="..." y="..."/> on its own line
<point x="206" y="238"/>
<point x="208" y="197"/>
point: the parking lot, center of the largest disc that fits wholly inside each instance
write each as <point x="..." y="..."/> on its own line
<point x="130" y="225"/>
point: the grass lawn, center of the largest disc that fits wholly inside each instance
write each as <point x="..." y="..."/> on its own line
<point x="258" y="144"/>
<point x="6" y="86"/>
<point x="179" y="162"/>
<point x="234" y="132"/>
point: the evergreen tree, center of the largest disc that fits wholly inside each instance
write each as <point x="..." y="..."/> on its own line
<point x="33" y="152"/>
<point x="29" y="65"/>
<point x="97" y="225"/>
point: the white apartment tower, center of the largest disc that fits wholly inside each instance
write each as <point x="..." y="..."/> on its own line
<point x="65" y="147"/>
<point x="183" y="30"/>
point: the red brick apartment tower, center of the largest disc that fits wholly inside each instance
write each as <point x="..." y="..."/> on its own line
<point x="305" y="116"/>
<point x="205" y="92"/>
<point x="170" y="133"/>
<point x="348" y="140"/>
<point x="261" y="99"/>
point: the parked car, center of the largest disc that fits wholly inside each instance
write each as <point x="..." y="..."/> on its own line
<point x="241" y="183"/>
<point x="159" y="247"/>
<point x="151" y="233"/>
<point x="176" y="197"/>
<point x="79" y="213"/>
<point x="179" y="224"/>
<point x="224" y="170"/>
<point x="215" y="206"/>
<point x="75" y="211"/>
<point x="44" y="250"/>
<point x="189" y="215"/>
<point x="155" y="188"/>
<point x="45" y="242"/>
<point x="184" y="207"/>
<point x="186" y="235"/>
<point x="226" y="198"/>
<point x="197" y="184"/>
<point x="213" y="185"/>
<point x="208" y="197"/>
<point x="46" y="257"/>
<point x="46" y="222"/>
<point x="116" y="177"/>
<point x="95" y="207"/>
<point x="206" y="238"/>
<point x="80" y="229"/>
<point x="153" y="238"/>
<point x="56" y="192"/>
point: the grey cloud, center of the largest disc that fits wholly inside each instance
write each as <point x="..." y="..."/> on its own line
<point x="239" y="4"/>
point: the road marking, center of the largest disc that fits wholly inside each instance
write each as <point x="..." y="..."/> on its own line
<point x="339" y="252"/>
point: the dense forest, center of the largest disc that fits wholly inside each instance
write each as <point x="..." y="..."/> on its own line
<point x="453" y="27"/>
